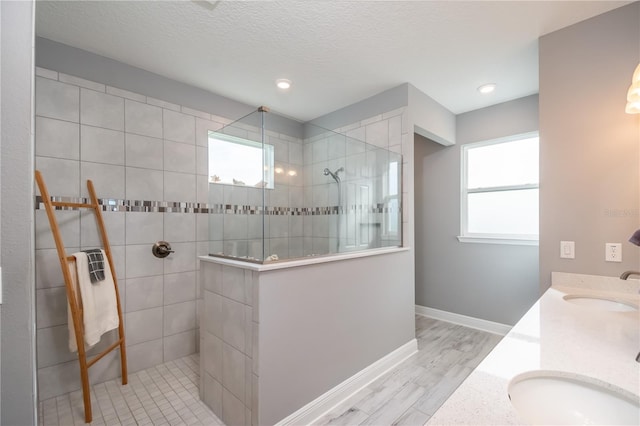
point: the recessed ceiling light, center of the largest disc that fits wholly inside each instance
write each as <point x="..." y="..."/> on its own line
<point x="283" y="83"/>
<point x="487" y="88"/>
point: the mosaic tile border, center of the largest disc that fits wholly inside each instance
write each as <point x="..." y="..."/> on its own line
<point x="146" y="206"/>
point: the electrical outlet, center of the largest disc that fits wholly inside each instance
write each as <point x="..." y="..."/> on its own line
<point x="613" y="252"/>
<point x="567" y="249"/>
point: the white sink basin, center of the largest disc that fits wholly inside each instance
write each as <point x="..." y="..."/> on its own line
<point x="545" y="397"/>
<point x="601" y="303"/>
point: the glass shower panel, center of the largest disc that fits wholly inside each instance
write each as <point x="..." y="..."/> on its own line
<point x="316" y="191"/>
<point x="241" y="169"/>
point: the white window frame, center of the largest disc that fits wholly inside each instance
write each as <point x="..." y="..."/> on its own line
<point x="467" y="237"/>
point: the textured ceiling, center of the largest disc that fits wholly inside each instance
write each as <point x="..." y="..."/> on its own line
<point x="335" y="52"/>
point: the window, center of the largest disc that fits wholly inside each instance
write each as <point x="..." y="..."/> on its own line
<point x="237" y="161"/>
<point x="500" y="191"/>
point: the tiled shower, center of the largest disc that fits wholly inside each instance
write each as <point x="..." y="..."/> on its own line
<point x="148" y="161"/>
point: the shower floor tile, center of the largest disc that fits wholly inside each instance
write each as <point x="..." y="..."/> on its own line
<point x="166" y="394"/>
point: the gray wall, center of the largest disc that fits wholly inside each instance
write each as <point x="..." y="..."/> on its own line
<point x="327" y="322"/>
<point x="488" y="281"/>
<point x="589" y="147"/>
<point x="16" y="254"/>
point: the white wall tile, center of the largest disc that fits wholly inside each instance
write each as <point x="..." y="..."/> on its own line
<point x="180" y="227"/>
<point x="108" y="180"/>
<point x="233" y="323"/>
<point x="183" y="260"/>
<point x="233" y="410"/>
<point x="295" y="153"/>
<point x="233" y="372"/>
<point x="163" y="104"/>
<point x="58" y="379"/>
<point x="57" y="100"/>
<point x="213" y="395"/>
<point x="53" y="347"/>
<point x="118" y="253"/>
<point x="61" y="176"/>
<point x="69" y="224"/>
<point x="179" y="317"/>
<point x="144" y="228"/>
<point x="212" y="278"/>
<point x="126" y="94"/>
<point x="202" y="131"/>
<point x="143" y="119"/>
<point x="144" y="293"/>
<point x="202" y="161"/>
<point x="179" y="127"/>
<point x="395" y="130"/>
<point x="202" y="226"/>
<point x="57" y="138"/>
<point x="211" y="355"/>
<point x="179" y="187"/>
<point x="179" y="157"/>
<point x="144" y="151"/>
<point x="100" y="145"/>
<point x="143" y="326"/>
<point x="114" y="226"/>
<point x="180" y="287"/>
<point x="212" y="317"/>
<point x="51" y="305"/>
<point x="47" y="266"/>
<point x="144" y="355"/>
<point x="77" y="81"/>
<point x="179" y="345"/>
<point x="141" y="262"/>
<point x="202" y="189"/>
<point x="101" y="110"/>
<point x="144" y="184"/>
<point x="378" y="134"/>
<point x="196" y="113"/>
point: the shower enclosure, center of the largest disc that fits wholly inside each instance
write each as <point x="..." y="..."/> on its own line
<point x="280" y="189"/>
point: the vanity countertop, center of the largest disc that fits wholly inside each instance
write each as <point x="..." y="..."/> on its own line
<point x="554" y="335"/>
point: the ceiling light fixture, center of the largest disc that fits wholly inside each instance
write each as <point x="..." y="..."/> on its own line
<point x="487" y="88"/>
<point x="633" y="95"/>
<point x="283" y="83"/>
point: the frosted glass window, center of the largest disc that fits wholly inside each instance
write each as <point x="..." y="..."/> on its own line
<point x="503" y="164"/>
<point x="500" y="189"/>
<point x="504" y="212"/>
<point x="237" y="161"/>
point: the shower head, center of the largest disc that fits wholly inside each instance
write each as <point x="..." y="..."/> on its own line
<point x="334" y="175"/>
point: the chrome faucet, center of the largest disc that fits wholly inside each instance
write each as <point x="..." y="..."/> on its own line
<point x="626" y="274"/>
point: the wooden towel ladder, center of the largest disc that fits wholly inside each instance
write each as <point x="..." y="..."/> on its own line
<point x="75" y="303"/>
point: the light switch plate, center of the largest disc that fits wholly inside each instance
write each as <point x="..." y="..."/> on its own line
<point x="613" y="252"/>
<point x="567" y="249"/>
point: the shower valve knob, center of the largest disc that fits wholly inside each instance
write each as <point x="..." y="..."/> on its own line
<point x="161" y="249"/>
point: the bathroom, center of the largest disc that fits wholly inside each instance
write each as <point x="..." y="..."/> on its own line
<point x="605" y="215"/>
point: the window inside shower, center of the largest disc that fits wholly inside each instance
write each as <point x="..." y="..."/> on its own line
<point x="237" y="161"/>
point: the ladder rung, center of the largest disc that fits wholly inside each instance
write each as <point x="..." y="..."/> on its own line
<point x="103" y="353"/>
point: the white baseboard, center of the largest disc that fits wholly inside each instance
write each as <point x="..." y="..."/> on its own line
<point x="477" y="323"/>
<point x="325" y="402"/>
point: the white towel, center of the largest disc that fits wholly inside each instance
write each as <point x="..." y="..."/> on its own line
<point x="98" y="302"/>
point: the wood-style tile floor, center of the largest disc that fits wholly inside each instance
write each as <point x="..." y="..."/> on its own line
<point x="412" y="392"/>
<point x="407" y="395"/>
